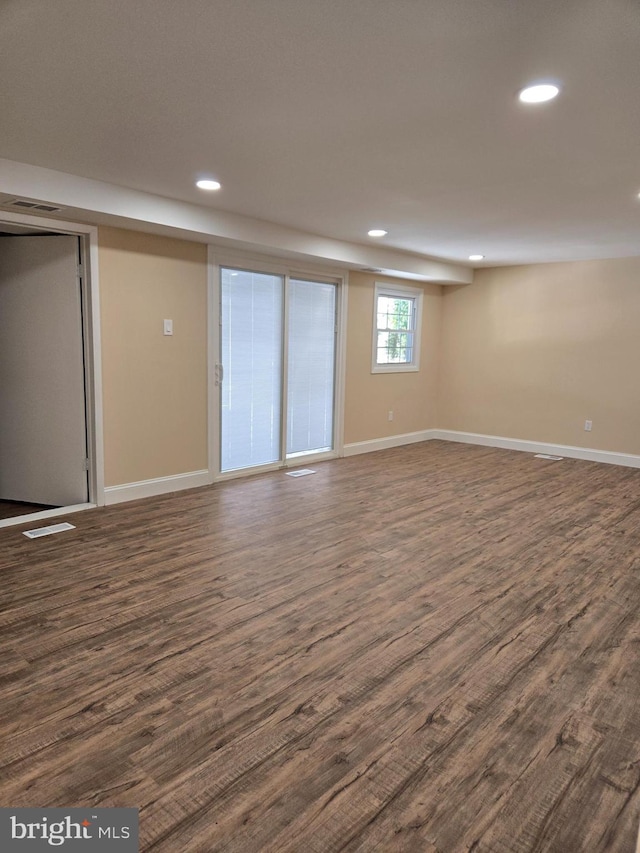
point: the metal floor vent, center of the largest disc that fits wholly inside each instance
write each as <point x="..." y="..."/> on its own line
<point x="24" y="204"/>
<point x="546" y="456"/>
<point x="302" y="472"/>
<point x="47" y="531"/>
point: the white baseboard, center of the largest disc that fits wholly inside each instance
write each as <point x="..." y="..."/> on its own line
<point x="390" y="441"/>
<point x="591" y="455"/>
<point x="194" y="479"/>
<point x="159" y="486"/>
<point x="588" y="453"/>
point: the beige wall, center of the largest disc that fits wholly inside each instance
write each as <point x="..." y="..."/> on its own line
<point x="525" y="352"/>
<point x="369" y="397"/>
<point x="155" y="393"/>
<point x="155" y="387"/>
<point x="531" y="352"/>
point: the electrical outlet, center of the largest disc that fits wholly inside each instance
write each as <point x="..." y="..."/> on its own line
<point x="390" y="416"/>
<point x="588" y="425"/>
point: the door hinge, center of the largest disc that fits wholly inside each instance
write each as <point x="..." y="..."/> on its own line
<point x="219" y="374"/>
<point x="85" y="465"/>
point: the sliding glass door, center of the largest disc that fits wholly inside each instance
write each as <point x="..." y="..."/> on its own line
<point x="251" y="350"/>
<point x="277" y="368"/>
<point x="311" y="366"/>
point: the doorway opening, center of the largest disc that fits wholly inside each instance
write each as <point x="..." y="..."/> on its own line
<point x="48" y="440"/>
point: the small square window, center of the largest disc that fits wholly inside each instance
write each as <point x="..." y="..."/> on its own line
<point x="396" y="333"/>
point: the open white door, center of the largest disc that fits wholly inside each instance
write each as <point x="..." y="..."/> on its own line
<point x="43" y="437"/>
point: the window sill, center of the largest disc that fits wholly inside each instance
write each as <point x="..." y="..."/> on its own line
<point x="395" y="368"/>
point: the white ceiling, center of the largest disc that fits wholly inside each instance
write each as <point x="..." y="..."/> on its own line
<point x="336" y="116"/>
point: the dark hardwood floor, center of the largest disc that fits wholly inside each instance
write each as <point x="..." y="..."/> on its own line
<point x="13" y="509"/>
<point x="430" y="648"/>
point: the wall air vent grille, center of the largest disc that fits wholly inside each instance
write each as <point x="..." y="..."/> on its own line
<point x="24" y="204"/>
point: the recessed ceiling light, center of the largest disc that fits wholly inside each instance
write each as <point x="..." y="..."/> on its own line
<point x="208" y="184"/>
<point x="377" y="232"/>
<point x="476" y="257"/>
<point x="538" y="93"/>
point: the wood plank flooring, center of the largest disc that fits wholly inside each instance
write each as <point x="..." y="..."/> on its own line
<point x="13" y="509"/>
<point x="429" y="649"/>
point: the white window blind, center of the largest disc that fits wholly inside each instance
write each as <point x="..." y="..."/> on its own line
<point x="251" y="343"/>
<point x="311" y="365"/>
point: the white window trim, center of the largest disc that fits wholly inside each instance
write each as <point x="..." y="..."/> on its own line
<point x="397" y="291"/>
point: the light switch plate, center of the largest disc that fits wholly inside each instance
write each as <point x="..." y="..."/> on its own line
<point x="168" y="327"/>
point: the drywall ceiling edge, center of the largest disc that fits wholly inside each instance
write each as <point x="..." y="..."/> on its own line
<point x="105" y="203"/>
